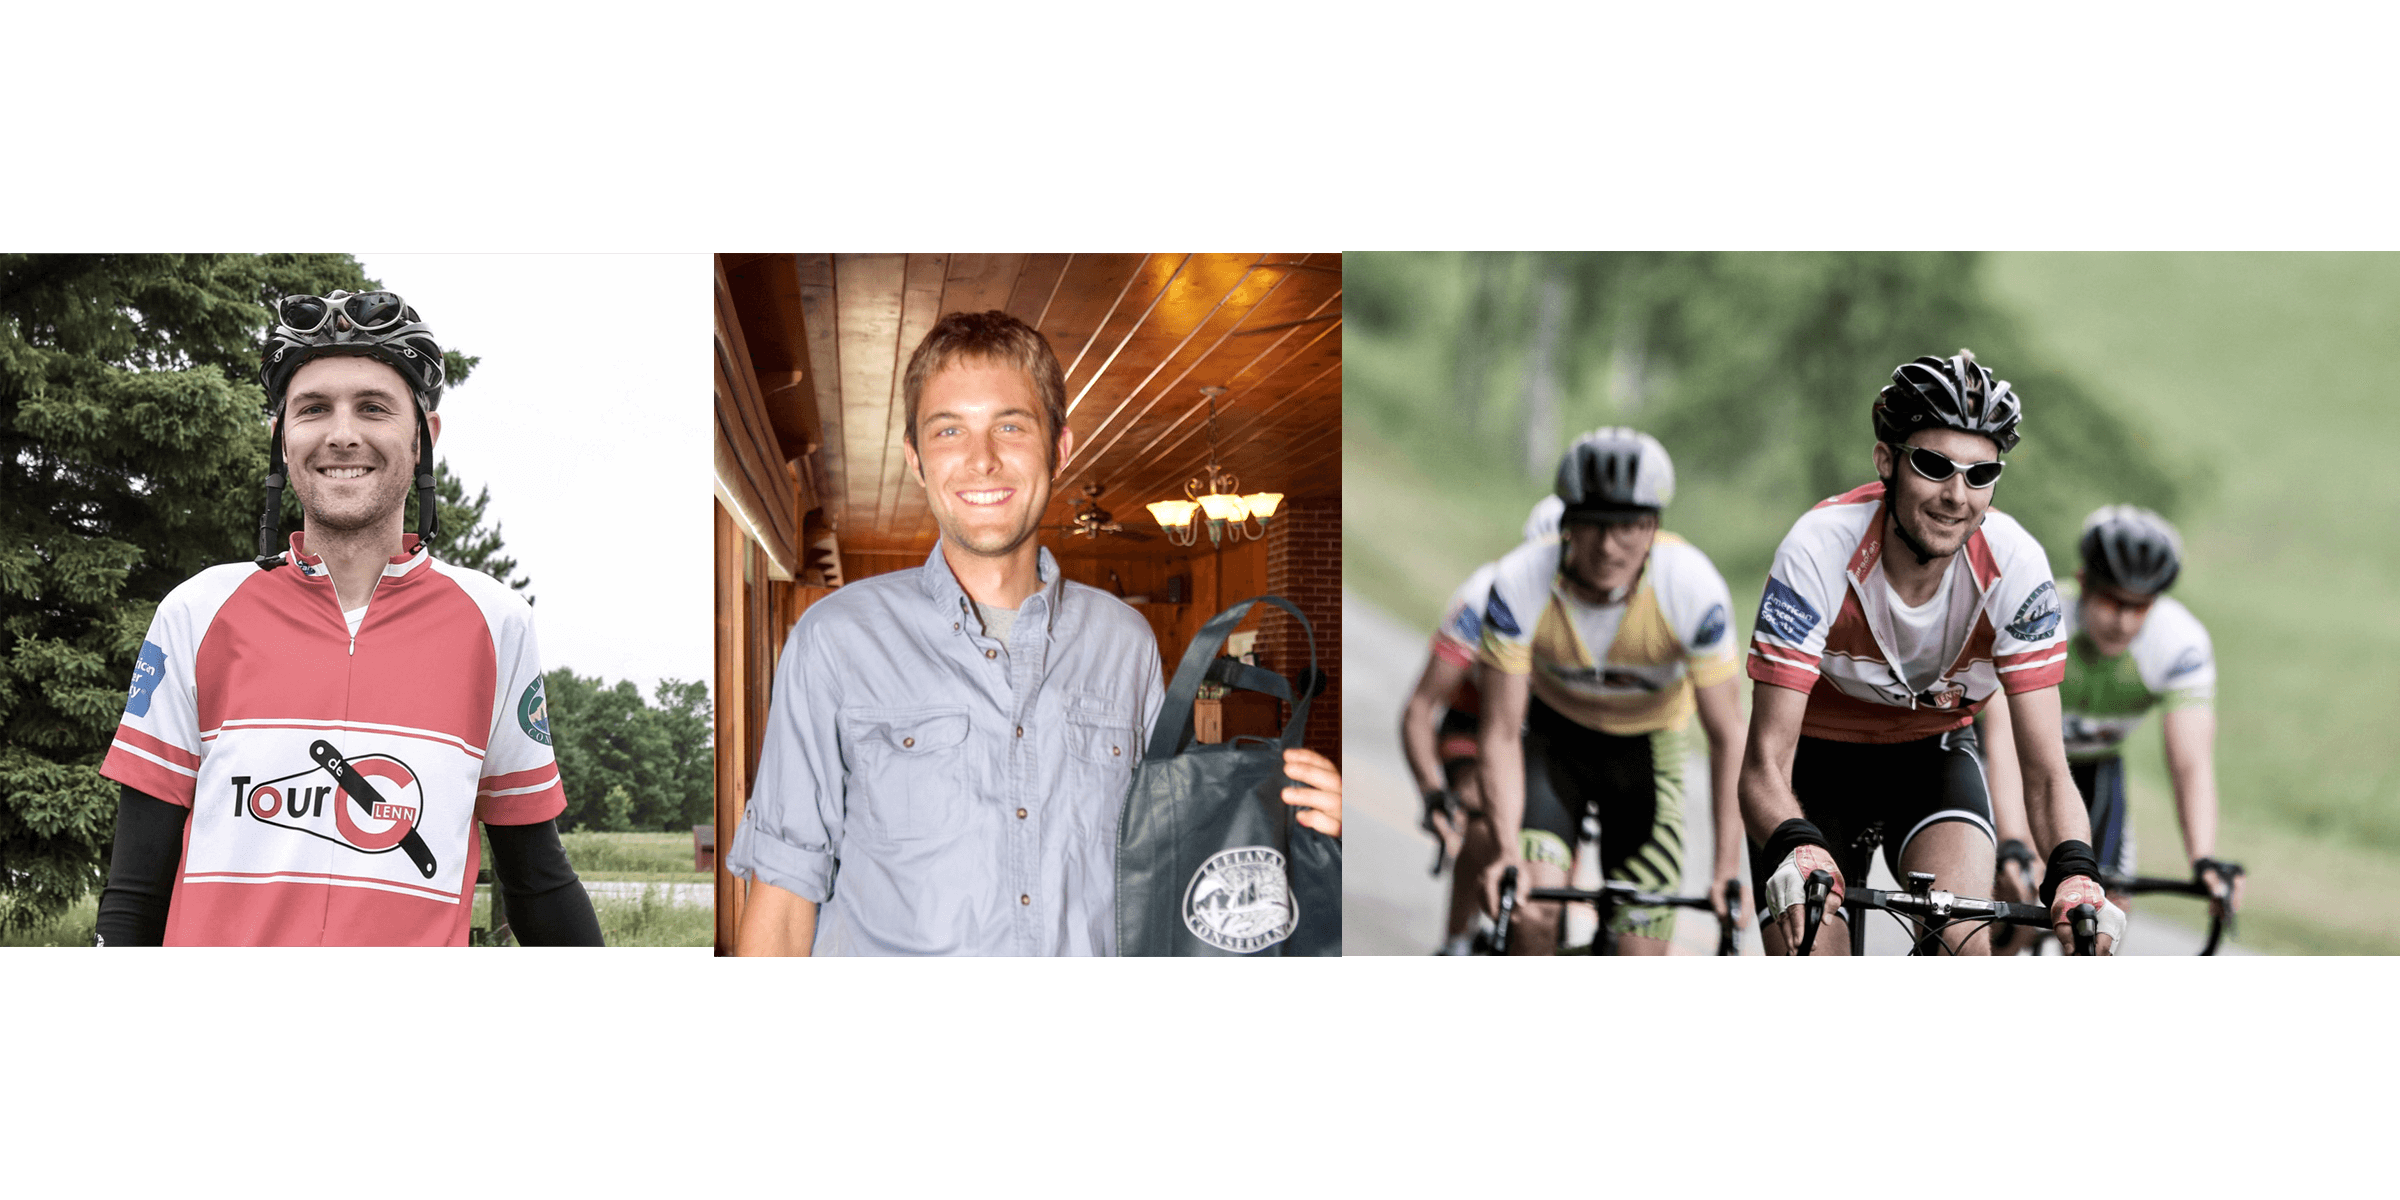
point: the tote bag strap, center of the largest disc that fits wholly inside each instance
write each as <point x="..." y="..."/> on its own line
<point x="1200" y="664"/>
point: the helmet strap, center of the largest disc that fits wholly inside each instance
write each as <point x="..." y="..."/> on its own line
<point x="270" y="519"/>
<point x="428" y="520"/>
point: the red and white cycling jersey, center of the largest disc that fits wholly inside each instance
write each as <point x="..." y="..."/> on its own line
<point x="255" y="706"/>
<point x="1460" y="636"/>
<point x="1825" y="625"/>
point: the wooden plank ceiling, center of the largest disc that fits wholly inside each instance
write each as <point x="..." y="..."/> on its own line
<point x="1139" y="335"/>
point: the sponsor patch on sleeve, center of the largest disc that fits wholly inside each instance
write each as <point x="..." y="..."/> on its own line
<point x="1495" y="613"/>
<point x="147" y="671"/>
<point x="1712" y="628"/>
<point x="1783" y="613"/>
<point x="2037" y="618"/>
<point x="2191" y="660"/>
<point x="1467" y="626"/>
<point x="533" y="712"/>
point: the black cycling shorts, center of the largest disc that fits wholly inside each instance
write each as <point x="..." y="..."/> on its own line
<point x="1633" y="785"/>
<point x="1862" y="795"/>
<point x="2102" y="782"/>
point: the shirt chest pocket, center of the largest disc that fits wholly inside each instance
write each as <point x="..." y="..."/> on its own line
<point x="1101" y="753"/>
<point x="907" y="770"/>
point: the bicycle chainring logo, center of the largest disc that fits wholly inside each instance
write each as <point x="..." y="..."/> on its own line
<point x="1240" y="900"/>
<point x="533" y="712"/>
<point x="2037" y="618"/>
<point x="315" y="803"/>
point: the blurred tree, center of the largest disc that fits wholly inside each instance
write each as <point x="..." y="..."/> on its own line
<point x="1757" y="368"/>
<point x="131" y="450"/>
<point x="627" y="764"/>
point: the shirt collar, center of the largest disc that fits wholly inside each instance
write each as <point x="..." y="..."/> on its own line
<point x="413" y="555"/>
<point x="942" y="587"/>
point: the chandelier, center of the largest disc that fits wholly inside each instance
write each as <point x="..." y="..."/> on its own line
<point x="1231" y="516"/>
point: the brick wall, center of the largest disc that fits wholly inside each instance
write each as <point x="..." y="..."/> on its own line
<point x="1304" y="566"/>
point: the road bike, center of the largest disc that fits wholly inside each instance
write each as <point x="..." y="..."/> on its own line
<point x="1606" y="899"/>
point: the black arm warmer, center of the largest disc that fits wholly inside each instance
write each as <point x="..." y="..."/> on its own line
<point x="2068" y="858"/>
<point x="141" y="870"/>
<point x="545" y="901"/>
<point x="1790" y="836"/>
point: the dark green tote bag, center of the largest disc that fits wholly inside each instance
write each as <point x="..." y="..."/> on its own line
<point x="1210" y="861"/>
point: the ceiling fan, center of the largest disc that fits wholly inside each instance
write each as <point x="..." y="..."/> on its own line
<point x="1091" y="520"/>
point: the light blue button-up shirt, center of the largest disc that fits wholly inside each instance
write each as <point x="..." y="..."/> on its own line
<point x="938" y="792"/>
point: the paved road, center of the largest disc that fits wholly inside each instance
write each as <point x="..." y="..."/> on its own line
<point x="1390" y="905"/>
<point x="694" y="894"/>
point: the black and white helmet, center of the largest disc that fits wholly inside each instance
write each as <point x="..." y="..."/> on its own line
<point x="1947" y="393"/>
<point x="377" y="325"/>
<point x="2130" y="548"/>
<point x="1612" y="473"/>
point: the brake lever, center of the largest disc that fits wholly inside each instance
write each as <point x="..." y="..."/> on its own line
<point x="1819" y="888"/>
<point x="1508" y="911"/>
<point x="2084" y="920"/>
<point x="1733" y="912"/>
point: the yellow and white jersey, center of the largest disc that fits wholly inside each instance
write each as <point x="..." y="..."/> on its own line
<point x="1623" y="668"/>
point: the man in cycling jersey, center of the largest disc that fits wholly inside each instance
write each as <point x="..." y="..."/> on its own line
<point x="1438" y="729"/>
<point x="311" y="738"/>
<point x="1892" y="614"/>
<point x="1598" y="647"/>
<point x="2132" y="648"/>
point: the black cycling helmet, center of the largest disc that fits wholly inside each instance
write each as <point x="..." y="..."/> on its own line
<point x="1613" y="473"/>
<point x="378" y="325"/>
<point x="2130" y="548"/>
<point x="1952" y="393"/>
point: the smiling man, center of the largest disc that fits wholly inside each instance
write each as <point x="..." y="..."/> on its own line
<point x="948" y="747"/>
<point x="1892" y="614"/>
<point x="311" y="738"/>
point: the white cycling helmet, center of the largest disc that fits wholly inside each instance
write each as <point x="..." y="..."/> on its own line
<point x="1614" y="473"/>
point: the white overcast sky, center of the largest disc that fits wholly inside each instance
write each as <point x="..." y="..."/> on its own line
<point x="588" y="418"/>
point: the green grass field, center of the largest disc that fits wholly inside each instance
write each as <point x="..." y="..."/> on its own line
<point x="2259" y="377"/>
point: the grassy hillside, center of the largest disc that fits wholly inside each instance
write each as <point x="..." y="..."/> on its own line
<point x="2270" y="376"/>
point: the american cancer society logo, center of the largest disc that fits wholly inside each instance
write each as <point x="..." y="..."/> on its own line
<point x="1240" y="901"/>
<point x="533" y="712"/>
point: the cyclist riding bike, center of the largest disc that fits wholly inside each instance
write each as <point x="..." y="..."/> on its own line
<point x="1598" y="647"/>
<point x="1892" y="614"/>
<point x="1437" y="732"/>
<point x="2132" y="648"/>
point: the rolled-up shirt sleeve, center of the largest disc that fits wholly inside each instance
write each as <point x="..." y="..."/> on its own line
<point x="791" y="832"/>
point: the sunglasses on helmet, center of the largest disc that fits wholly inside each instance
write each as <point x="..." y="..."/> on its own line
<point x="1939" y="468"/>
<point x="366" y="312"/>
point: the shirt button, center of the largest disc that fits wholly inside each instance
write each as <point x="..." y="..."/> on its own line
<point x="908" y="741"/>
<point x="954" y="627"/>
<point x="1020" y="731"/>
<point x="1024" y="899"/>
<point x="1113" y="752"/>
<point x="1020" y="814"/>
<point x="991" y="654"/>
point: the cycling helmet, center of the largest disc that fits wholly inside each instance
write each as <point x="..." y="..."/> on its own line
<point x="1612" y="473"/>
<point x="2130" y="548"/>
<point x="1952" y="393"/>
<point x="378" y="325"/>
<point x="1543" y="520"/>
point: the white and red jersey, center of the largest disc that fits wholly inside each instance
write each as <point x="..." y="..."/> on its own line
<point x="1459" y="638"/>
<point x="252" y="703"/>
<point x="1825" y="625"/>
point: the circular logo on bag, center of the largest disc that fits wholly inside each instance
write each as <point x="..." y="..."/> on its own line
<point x="1240" y="900"/>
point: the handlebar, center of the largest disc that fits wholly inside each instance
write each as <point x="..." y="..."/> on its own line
<point x="1625" y="895"/>
<point x="1930" y="909"/>
<point x="2221" y="916"/>
<point x="1445" y="803"/>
